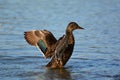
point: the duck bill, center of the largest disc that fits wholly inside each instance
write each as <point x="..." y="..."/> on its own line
<point x="80" y="27"/>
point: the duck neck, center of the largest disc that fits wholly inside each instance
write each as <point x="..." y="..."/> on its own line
<point x="69" y="33"/>
<point x="70" y="36"/>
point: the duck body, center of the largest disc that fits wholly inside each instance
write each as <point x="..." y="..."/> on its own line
<point x="64" y="53"/>
<point x="59" y="50"/>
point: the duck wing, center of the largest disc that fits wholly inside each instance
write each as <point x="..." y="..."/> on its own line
<point x="42" y="39"/>
<point x="57" y="60"/>
<point x="61" y="45"/>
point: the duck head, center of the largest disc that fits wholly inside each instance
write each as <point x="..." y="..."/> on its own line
<point x="72" y="26"/>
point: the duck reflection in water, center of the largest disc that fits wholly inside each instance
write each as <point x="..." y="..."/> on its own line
<point x="55" y="74"/>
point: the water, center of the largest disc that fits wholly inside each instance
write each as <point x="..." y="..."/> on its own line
<point x="96" y="54"/>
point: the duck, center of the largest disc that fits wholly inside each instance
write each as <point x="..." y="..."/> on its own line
<point x="59" y="51"/>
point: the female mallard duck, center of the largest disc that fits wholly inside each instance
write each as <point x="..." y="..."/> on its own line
<point x="58" y="50"/>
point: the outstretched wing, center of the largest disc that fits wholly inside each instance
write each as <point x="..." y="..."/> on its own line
<point x="43" y="39"/>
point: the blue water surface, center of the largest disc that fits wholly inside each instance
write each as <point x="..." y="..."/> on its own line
<point x="96" y="55"/>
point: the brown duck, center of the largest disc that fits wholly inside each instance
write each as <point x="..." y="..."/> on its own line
<point x="58" y="50"/>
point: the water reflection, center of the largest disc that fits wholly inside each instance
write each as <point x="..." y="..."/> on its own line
<point x="55" y="74"/>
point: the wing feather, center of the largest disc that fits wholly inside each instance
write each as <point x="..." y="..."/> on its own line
<point x="31" y="37"/>
<point x="62" y="44"/>
<point x="43" y="39"/>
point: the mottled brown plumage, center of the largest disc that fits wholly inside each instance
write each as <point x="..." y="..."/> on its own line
<point x="58" y="50"/>
<point x="33" y="37"/>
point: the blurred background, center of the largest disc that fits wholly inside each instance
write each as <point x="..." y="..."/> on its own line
<point x="96" y="54"/>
